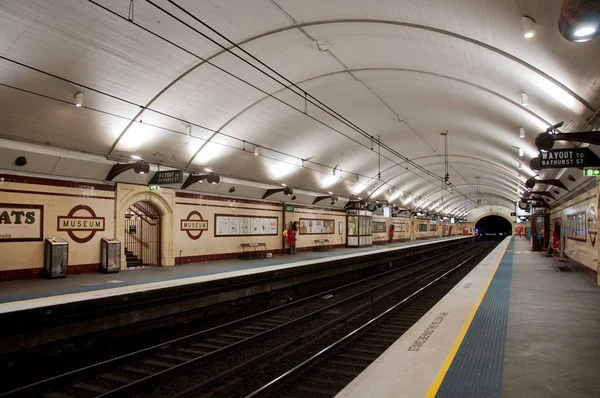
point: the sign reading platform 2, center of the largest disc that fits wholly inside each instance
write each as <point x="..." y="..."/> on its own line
<point x="569" y="157"/>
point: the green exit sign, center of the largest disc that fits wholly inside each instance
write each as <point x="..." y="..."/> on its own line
<point x="154" y="187"/>
<point x="591" y="172"/>
<point x="289" y="208"/>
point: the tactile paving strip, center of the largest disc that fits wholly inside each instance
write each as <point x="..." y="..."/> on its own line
<point x="477" y="367"/>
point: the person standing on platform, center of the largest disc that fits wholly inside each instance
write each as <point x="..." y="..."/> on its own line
<point x="291" y="236"/>
<point x="391" y="233"/>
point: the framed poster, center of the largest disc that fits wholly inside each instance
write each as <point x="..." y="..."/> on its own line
<point x="255" y="226"/>
<point x="433" y="227"/>
<point x="310" y="226"/>
<point x="21" y="223"/>
<point x="228" y="225"/>
<point x="576" y="226"/>
<point x="264" y="226"/>
<point x="222" y="226"/>
<point x="272" y="226"/>
<point x="245" y="226"/>
<point x="234" y="226"/>
<point x="402" y="227"/>
<point x="379" y="227"/>
<point x="422" y="227"/>
<point x="340" y="227"/>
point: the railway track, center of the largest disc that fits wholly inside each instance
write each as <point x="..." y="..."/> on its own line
<point x="213" y="361"/>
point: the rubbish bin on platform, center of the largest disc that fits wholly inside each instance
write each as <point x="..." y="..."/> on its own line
<point x="56" y="258"/>
<point x="110" y="255"/>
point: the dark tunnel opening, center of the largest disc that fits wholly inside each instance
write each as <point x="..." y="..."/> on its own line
<point x="493" y="227"/>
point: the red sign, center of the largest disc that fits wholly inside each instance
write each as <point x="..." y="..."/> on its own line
<point x="81" y="219"/>
<point x="194" y="225"/>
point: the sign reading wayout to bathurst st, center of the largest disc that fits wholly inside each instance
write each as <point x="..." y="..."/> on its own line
<point x="568" y="157"/>
<point x="81" y="223"/>
<point x="21" y="223"/>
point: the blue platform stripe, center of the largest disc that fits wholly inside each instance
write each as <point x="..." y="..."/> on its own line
<point x="477" y="367"/>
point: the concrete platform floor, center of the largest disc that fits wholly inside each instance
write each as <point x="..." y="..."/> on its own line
<point x="553" y="341"/>
<point x="38" y="288"/>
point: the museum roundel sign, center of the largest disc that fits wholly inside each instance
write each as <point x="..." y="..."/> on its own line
<point x="194" y="225"/>
<point x="81" y="224"/>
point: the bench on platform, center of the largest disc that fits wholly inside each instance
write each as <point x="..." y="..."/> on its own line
<point x="249" y="254"/>
<point x="322" y="245"/>
<point x="379" y="240"/>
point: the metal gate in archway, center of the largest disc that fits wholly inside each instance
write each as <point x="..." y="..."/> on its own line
<point x="142" y="235"/>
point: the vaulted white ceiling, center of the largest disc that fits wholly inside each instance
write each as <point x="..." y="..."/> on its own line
<point x="316" y="79"/>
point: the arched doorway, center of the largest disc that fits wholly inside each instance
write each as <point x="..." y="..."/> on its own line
<point x="142" y="235"/>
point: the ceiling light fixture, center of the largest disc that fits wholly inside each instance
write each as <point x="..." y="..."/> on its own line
<point x="528" y="27"/>
<point x="208" y="170"/>
<point x="256" y="151"/>
<point x="521" y="132"/>
<point x="188" y="130"/>
<point x="136" y="157"/>
<point x="585" y="31"/>
<point x="524" y="99"/>
<point x="78" y="99"/>
<point x="283" y="185"/>
<point x="520" y="152"/>
<point x="519" y="165"/>
<point x="331" y="193"/>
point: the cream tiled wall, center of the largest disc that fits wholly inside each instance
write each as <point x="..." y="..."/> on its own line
<point x="208" y="244"/>
<point x="56" y="202"/>
<point x="586" y="252"/>
<point x="308" y="240"/>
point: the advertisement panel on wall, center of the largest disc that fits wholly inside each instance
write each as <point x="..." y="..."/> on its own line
<point x="21" y="223"/>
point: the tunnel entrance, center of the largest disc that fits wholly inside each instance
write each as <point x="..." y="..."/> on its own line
<point x="493" y="227"/>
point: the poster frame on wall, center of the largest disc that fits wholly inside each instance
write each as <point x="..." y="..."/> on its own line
<point x="39" y="236"/>
<point x="331" y="223"/>
<point x="240" y="220"/>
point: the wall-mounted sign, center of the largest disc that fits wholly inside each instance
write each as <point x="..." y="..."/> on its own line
<point x="154" y="187"/>
<point x="352" y="212"/>
<point x="167" y="177"/>
<point x="513" y="214"/>
<point x="591" y="172"/>
<point x="21" y="223"/>
<point x="568" y="157"/>
<point x="132" y="229"/>
<point x="194" y="225"/>
<point x="81" y="223"/>
<point x="289" y="208"/>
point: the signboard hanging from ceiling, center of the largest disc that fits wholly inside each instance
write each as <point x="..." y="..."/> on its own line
<point x="568" y="157"/>
<point x="167" y="177"/>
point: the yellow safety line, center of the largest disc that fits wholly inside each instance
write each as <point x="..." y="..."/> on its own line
<point x="435" y="386"/>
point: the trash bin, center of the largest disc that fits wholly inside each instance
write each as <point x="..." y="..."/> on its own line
<point x="110" y="255"/>
<point x="56" y="258"/>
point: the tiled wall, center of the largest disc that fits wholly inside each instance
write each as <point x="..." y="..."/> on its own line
<point x="59" y="199"/>
<point x="584" y="253"/>
<point x="307" y="241"/>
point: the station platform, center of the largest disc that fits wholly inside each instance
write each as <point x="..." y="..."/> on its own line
<point x="31" y="294"/>
<point x="513" y="327"/>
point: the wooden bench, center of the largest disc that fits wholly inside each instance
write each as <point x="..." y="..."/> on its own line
<point x="248" y="254"/>
<point x="380" y="240"/>
<point x="322" y="245"/>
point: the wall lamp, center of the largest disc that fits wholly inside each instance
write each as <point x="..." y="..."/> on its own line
<point x="286" y="191"/>
<point x="211" y="178"/>
<point x="545" y="141"/>
<point x="140" y="167"/>
<point x="579" y="21"/>
<point x="334" y="198"/>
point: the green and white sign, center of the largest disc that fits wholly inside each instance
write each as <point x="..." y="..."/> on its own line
<point x="289" y="208"/>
